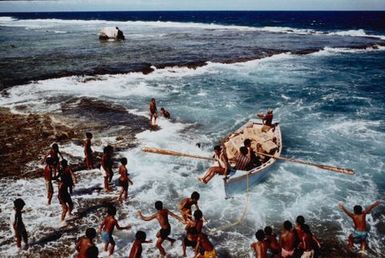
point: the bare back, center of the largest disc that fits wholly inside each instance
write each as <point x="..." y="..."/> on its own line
<point x="162" y="217"/>
<point x="288" y="240"/>
<point x="109" y="224"/>
<point x="359" y="221"/>
<point x="82" y="246"/>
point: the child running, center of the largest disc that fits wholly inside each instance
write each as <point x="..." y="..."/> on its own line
<point x="107" y="228"/>
<point x="260" y="247"/>
<point x="17" y="224"/>
<point x="136" y="249"/>
<point x="186" y="204"/>
<point x="165" y="228"/>
<point x="85" y="242"/>
<point x="360" y="233"/>
<point x="89" y="162"/>
<point x="48" y="178"/>
<point x="123" y="180"/>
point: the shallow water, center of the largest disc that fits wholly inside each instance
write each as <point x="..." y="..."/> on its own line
<point x="331" y="108"/>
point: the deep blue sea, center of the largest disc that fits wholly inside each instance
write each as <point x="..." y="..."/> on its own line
<point x="322" y="73"/>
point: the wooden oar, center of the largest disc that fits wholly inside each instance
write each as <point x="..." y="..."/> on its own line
<point x="174" y="153"/>
<point x="347" y="171"/>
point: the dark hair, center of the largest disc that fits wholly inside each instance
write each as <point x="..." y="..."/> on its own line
<point x="198" y="214"/>
<point x="357" y="209"/>
<point x="300" y="220"/>
<point x="268" y="230"/>
<point x="90" y="233"/>
<point x="123" y="161"/>
<point x="243" y="150"/>
<point x="107" y="149"/>
<point x="49" y="161"/>
<point x="306" y="229"/>
<point x="260" y="235"/>
<point x="19" y="203"/>
<point x="287" y="225"/>
<point x="111" y="210"/>
<point x="247" y="142"/>
<point x="55" y="146"/>
<point x="217" y="148"/>
<point x="88" y="135"/>
<point x="152" y="99"/>
<point x="64" y="163"/>
<point x="140" y="235"/>
<point x="92" y="252"/>
<point x="161" y="108"/>
<point x="158" y="205"/>
<point x="195" y="195"/>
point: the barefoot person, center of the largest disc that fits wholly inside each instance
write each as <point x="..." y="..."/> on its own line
<point x="205" y="246"/>
<point x="136" y="249"/>
<point x="123" y="180"/>
<point x="287" y="240"/>
<point x="260" y="247"/>
<point x="186" y="204"/>
<point x="48" y="178"/>
<point x="85" y="242"/>
<point x="106" y="166"/>
<point x="17" y="223"/>
<point x="165" y="228"/>
<point x="89" y="161"/>
<point x="360" y="233"/>
<point x="222" y="166"/>
<point x="153" y="113"/>
<point x="107" y="228"/>
<point x="64" y="199"/>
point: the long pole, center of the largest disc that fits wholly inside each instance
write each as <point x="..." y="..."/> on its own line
<point x="346" y="171"/>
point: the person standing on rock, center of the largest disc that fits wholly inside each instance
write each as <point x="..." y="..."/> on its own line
<point x="88" y="152"/>
<point x="153" y="113"/>
<point x="48" y="178"/>
<point x="106" y="167"/>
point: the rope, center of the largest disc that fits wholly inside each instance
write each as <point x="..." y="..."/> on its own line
<point x="243" y="215"/>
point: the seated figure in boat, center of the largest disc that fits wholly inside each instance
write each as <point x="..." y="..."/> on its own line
<point x="254" y="160"/>
<point x="221" y="166"/>
<point x="243" y="160"/>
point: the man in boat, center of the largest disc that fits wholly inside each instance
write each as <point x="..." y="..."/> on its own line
<point x="267" y="120"/>
<point x="243" y="160"/>
<point x="255" y="162"/>
<point x="221" y="167"/>
<point x="360" y="233"/>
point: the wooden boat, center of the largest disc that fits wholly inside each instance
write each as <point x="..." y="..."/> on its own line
<point x="268" y="139"/>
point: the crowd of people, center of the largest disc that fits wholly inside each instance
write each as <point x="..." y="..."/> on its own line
<point x="295" y="241"/>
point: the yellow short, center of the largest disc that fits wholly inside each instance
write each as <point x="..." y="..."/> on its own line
<point x="210" y="254"/>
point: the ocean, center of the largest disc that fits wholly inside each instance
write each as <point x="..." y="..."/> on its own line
<point x="322" y="73"/>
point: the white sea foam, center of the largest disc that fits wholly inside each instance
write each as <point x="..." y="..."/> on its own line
<point x="46" y="23"/>
<point x="332" y="51"/>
